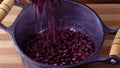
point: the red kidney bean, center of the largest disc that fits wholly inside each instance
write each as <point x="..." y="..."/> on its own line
<point x="66" y="51"/>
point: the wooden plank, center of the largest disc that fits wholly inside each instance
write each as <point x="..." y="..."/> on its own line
<point x="11" y="65"/>
<point x="102" y="65"/>
<point x="10" y="59"/>
<point x="6" y="44"/>
<point x="4" y="37"/>
<point x="8" y="51"/>
<point x="2" y="32"/>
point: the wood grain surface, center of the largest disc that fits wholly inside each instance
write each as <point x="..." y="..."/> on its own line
<point x="9" y="58"/>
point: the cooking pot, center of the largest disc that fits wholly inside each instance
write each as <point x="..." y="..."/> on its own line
<point x="79" y="17"/>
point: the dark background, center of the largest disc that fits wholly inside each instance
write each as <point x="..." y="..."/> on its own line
<point x="99" y="1"/>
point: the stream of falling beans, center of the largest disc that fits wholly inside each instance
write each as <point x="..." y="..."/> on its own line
<point x="51" y="7"/>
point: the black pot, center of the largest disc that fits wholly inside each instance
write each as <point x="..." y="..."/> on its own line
<point x="79" y="17"/>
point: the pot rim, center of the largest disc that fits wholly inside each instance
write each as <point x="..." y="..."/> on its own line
<point x="95" y="54"/>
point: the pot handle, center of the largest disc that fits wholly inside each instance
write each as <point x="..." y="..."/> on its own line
<point x="114" y="55"/>
<point x="6" y="6"/>
<point x="115" y="49"/>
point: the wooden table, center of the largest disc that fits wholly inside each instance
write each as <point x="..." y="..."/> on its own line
<point x="9" y="58"/>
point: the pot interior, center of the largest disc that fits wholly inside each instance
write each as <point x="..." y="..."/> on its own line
<point x="78" y="17"/>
